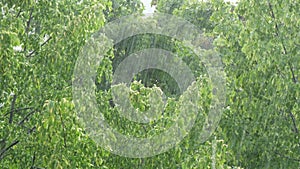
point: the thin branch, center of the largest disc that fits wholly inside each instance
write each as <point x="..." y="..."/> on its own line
<point x="12" y="108"/>
<point x="287" y="157"/>
<point x="17" y="110"/>
<point x="294" y="122"/>
<point x="18" y="14"/>
<point x="26" y="117"/>
<point x="31" y="53"/>
<point x="3" y="143"/>
<point x="64" y="130"/>
<point x="277" y="68"/>
<point x="46" y="41"/>
<point x="293" y="74"/>
<point x="27" y="27"/>
<point x="7" y="148"/>
<point x="33" y="161"/>
<point x="273" y="17"/>
<point x="280" y="73"/>
<point x="283" y="46"/>
<point x="289" y="64"/>
<point x="29" y="21"/>
<point x="31" y="130"/>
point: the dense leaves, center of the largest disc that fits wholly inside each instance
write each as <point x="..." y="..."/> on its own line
<point x="257" y="40"/>
<point x="259" y="43"/>
<point x="39" y="44"/>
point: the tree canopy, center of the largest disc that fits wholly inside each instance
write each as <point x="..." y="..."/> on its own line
<point x="258" y="44"/>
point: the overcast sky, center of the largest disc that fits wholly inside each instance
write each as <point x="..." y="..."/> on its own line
<point x="148" y="8"/>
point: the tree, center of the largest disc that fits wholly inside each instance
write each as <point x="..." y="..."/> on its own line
<point x="259" y="44"/>
<point x="258" y="41"/>
<point x="39" y="41"/>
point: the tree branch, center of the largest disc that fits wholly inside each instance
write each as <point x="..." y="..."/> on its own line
<point x="29" y="21"/>
<point x="283" y="46"/>
<point x="277" y="68"/>
<point x="31" y="130"/>
<point x="18" y="14"/>
<point x="26" y="117"/>
<point x="64" y="130"/>
<point x="33" y="161"/>
<point x="294" y="122"/>
<point x="12" y="108"/>
<point x="289" y="64"/>
<point x="7" y="148"/>
<point x="287" y="157"/>
<point x="293" y="73"/>
<point x="31" y="53"/>
<point x="17" y="110"/>
<point x="28" y="26"/>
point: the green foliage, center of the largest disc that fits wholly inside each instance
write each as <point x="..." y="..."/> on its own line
<point x="39" y="44"/>
<point x="198" y="13"/>
<point x="259" y="44"/>
<point x="120" y="8"/>
<point x="168" y="6"/>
